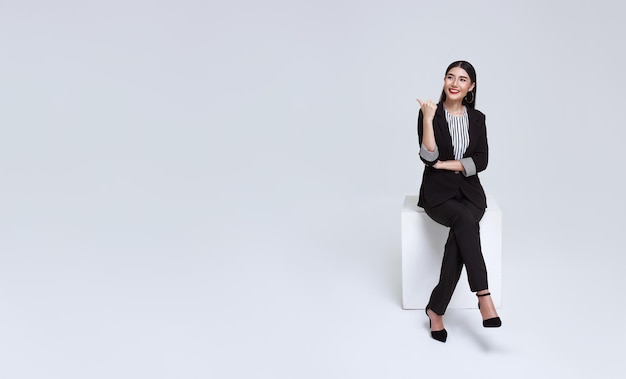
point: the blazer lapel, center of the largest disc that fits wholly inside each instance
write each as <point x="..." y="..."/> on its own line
<point x="444" y="129"/>
<point x="474" y="119"/>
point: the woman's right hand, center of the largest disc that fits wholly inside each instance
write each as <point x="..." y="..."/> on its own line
<point x="428" y="108"/>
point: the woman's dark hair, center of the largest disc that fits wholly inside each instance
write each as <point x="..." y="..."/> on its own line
<point x="472" y="74"/>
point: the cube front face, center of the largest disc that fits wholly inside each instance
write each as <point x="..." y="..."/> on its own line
<point x="423" y="242"/>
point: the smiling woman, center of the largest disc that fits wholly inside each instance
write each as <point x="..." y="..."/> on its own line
<point x="453" y="146"/>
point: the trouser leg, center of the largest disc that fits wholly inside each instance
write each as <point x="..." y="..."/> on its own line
<point x="451" y="268"/>
<point x="463" y="219"/>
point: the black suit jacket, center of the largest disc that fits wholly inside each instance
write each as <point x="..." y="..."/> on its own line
<point x="441" y="185"/>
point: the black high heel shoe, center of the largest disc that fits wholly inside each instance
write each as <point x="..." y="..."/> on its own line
<point x="493" y="322"/>
<point x="439" y="335"/>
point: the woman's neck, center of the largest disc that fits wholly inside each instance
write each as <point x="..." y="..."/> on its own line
<point x="454" y="107"/>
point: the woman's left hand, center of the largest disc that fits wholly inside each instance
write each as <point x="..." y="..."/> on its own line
<point x="452" y="165"/>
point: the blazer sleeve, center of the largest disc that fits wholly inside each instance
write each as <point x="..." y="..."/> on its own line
<point x="428" y="157"/>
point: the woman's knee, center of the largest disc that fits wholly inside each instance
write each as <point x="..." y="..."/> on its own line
<point x="464" y="219"/>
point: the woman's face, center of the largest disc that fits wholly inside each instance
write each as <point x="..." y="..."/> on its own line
<point x="457" y="84"/>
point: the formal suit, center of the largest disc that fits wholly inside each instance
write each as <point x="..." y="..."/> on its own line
<point x="456" y="200"/>
<point x="440" y="185"/>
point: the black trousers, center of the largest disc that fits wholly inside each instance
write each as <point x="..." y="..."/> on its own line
<point x="462" y="248"/>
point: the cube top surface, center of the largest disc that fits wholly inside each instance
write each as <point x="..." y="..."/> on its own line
<point x="410" y="204"/>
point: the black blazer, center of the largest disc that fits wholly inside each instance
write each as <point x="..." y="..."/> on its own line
<point x="441" y="185"/>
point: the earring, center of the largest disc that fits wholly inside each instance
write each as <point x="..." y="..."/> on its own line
<point x="470" y="101"/>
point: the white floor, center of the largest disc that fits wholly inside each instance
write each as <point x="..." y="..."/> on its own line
<point x="307" y="290"/>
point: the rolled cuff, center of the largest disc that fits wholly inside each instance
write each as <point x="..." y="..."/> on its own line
<point x="430" y="156"/>
<point x="469" y="168"/>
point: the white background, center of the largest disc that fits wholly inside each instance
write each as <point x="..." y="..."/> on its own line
<point x="199" y="189"/>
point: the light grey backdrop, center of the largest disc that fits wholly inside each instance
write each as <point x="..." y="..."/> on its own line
<point x="197" y="188"/>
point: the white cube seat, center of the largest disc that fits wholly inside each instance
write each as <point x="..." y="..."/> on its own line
<point x="423" y="242"/>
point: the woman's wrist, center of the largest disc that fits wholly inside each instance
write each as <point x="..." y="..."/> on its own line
<point x="449" y="165"/>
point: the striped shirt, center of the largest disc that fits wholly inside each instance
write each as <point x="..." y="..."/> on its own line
<point x="458" y="126"/>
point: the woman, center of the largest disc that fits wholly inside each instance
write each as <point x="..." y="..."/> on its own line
<point x="453" y="146"/>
